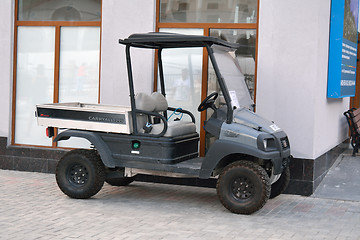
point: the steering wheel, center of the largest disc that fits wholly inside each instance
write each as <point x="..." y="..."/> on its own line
<point x="208" y="102"/>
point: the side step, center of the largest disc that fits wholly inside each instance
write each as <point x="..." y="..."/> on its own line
<point x="186" y="168"/>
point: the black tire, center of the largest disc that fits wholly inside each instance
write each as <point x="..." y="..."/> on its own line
<point x="121" y="181"/>
<point x="243" y="187"/>
<point x="281" y="184"/>
<point x="80" y="173"/>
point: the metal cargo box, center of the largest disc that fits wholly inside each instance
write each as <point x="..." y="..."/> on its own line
<point x="91" y="117"/>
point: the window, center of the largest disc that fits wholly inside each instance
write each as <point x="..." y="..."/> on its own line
<point x="59" y="10"/>
<point x="208" y="11"/>
<point x="35" y="80"/>
<point x="245" y="54"/>
<point x="232" y="20"/>
<point x="56" y="60"/>
<point x="183" y="74"/>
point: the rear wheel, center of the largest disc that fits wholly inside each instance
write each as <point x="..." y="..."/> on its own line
<point x="281" y="184"/>
<point x="80" y="173"/>
<point x="243" y="187"/>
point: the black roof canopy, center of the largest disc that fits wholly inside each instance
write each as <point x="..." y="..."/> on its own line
<point x="161" y="40"/>
<point x="157" y="40"/>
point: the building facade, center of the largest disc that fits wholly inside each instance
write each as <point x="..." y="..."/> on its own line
<point x="63" y="51"/>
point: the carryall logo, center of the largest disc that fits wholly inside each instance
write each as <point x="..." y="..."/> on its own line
<point x="106" y="119"/>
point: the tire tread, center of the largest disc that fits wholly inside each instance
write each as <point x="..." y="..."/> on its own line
<point x="259" y="171"/>
<point x="99" y="177"/>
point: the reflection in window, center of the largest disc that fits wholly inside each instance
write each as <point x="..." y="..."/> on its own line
<point x="245" y="55"/>
<point x="183" y="75"/>
<point x="34" y="81"/>
<point x="59" y="10"/>
<point x="79" y="64"/>
<point x="208" y="11"/>
<point x="79" y="70"/>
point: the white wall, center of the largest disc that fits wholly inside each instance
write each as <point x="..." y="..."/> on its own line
<point x="6" y="50"/>
<point x="139" y="17"/>
<point x="292" y="75"/>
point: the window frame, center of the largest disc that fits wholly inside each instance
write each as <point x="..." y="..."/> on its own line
<point x="57" y="25"/>
<point x="206" y="28"/>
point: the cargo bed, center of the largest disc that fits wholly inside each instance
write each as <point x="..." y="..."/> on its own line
<point x="91" y="117"/>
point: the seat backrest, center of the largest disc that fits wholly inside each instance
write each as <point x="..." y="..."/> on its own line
<point x="160" y="101"/>
<point x="143" y="102"/>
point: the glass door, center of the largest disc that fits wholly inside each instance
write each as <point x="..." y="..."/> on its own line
<point x="79" y="70"/>
<point x="245" y="55"/>
<point x="56" y="59"/>
<point x="183" y="75"/>
<point x="232" y="20"/>
<point x="79" y="64"/>
<point x="34" y="81"/>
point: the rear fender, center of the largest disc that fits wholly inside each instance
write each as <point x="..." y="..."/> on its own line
<point x="95" y="139"/>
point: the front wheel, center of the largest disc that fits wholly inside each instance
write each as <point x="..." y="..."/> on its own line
<point x="80" y="173"/>
<point x="243" y="187"/>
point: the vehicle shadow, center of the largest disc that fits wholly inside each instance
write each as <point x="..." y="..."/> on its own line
<point x="164" y="195"/>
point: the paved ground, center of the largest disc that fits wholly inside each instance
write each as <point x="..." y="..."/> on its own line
<point x="32" y="207"/>
<point x="343" y="179"/>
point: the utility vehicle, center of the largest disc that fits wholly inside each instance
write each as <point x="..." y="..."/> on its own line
<point x="249" y="158"/>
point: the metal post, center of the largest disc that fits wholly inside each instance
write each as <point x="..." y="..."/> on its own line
<point x="131" y="88"/>
<point x="161" y="74"/>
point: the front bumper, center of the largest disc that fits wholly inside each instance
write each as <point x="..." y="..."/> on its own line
<point x="280" y="164"/>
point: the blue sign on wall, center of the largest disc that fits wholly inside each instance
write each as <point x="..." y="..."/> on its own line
<point x="343" y="48"/>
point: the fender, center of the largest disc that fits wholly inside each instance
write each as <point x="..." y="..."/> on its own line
<point x="222" y="148"/>
<point x="95" y="139"/>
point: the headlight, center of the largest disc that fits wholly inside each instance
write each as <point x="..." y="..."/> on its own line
<point x="268" y="144"/>
<point x="265" y="143"/>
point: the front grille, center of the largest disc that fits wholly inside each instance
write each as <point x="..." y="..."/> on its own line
<point x="284" y="143"/>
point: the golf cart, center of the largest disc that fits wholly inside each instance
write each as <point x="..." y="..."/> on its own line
<point x="249" y="158"/>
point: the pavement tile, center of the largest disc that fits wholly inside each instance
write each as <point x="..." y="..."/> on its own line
<point x="32" y="207"/>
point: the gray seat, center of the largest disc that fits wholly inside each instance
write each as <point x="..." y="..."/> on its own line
<point x="175" y="128"/>
<point x="158" y="103"/>
<point x="143" y="102"/>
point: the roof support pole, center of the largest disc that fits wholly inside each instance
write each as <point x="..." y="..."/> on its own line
<point x="131" y="89"/>
<point x="161" y="74"/>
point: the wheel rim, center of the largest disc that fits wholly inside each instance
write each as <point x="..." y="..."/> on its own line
<point x="78" y="175"/>
<point x="242" y="188"/>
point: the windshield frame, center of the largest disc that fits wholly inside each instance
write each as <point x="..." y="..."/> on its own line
<point x="222" y="84"/>
<point x="233" y="77"/>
